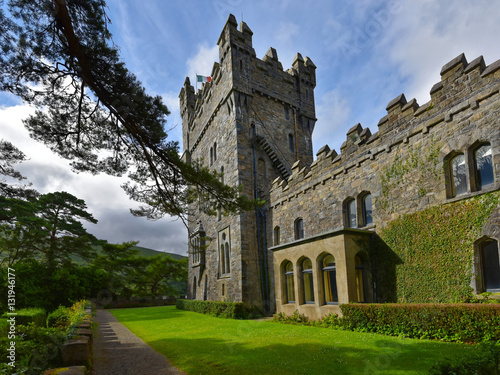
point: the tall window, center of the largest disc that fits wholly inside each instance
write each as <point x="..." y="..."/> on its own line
<point x="211" y="156"/>
<point x="194" y="288"/>
<point x="360" y="290"/>
<point x="224" y="252"/>
<point x="276" y="236"/>
<point x="490" y="266"/>
<point x="227" y="256"/>
<point x="366" y="204"/>
<point x="299" y="229"/>
<point x="289" y="285"/>
<point x="458" y="177"/>
<point x="215" y="151"/>
<point x="307" y="277"/>
<point x="330" y="280"/>
<point x="291" y="143"/>
<point x="483" y="166"/>
<point x="352" y="221"/>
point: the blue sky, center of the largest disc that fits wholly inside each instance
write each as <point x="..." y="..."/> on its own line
<point x="366" y="53"/>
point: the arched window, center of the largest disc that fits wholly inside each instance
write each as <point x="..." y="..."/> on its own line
<point x="276" y="236"/>
<point x="366" y="206"/>
<point x="483" y="166"/>
<point x="289" y="285"/>
<point x="360" y="289"/>
<point x="352" y="221"/>
<point x="307" y="277"/>
<point x="330" y="280"/>
<point x="458" y="175"/>
<point x="490" y="265"/>
<point x="291" y="143"/>
<point x="224" y="252"/>
<point x="211" y="156"/>
<point x="299" y="229"/>
<point x="215" y="151"/>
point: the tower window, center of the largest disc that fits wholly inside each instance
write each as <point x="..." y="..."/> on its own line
<point x="483" y="166"/>
<point x="215" y="151"/>
<point x="291" y="143"/>
<point x="366" y="205"/>
<point x="276" y="236"/>
<point x="458" y="175"/>
<point x="287" y="112"/>
<point x="352" y="221"/>
<point x="299" y="229"/>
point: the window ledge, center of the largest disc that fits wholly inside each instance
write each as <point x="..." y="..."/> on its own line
<point x="474" y="193"/>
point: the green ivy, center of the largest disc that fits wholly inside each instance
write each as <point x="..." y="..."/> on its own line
<point x="414" y="169"/>
<point x="427" y="256"/>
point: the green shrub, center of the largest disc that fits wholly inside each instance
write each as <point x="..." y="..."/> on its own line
<point x="230" y="310"/>
<point x="60" y="317"/>
<point x="448" y="322"/>
<point x="29" y="315"/>
<point x="296" y="318"/>
<point x="485" y="362"/>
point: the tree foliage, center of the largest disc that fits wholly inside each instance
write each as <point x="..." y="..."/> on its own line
<point x="58" y="55"/>
<point x="48" y="228"/>
<point x="9" y="156"/>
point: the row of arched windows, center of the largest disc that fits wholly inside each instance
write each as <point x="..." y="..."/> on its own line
<point x="470" y="170"/>
<point x="328" y="279"/>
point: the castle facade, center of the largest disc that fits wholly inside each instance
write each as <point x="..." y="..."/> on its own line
<point x="313" y="245"/>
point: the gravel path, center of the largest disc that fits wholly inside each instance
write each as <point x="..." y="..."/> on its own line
<point x="117" y="351"/>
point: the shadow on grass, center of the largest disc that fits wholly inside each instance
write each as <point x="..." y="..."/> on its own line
<point x="216" y="356"/>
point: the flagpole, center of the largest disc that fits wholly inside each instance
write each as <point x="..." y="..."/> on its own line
<point x="196" y="78"/>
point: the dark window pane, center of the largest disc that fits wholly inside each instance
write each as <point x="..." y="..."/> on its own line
<point x="367" y="209"/>
<point x="299" y="229"/>
<point x="459" y="175"/>
<point x="484" y="166"/>
<point x="491" y="266"/>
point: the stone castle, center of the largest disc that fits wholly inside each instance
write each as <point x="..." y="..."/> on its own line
<point x="309" y="248"/>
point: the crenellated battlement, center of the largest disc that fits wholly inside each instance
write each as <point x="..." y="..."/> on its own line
<point x="238" y="77"/>
<point x="463" y="88"/>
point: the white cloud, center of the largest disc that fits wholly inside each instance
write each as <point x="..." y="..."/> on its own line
<point x="202" y="62"/>
<point x="333" y="112"/>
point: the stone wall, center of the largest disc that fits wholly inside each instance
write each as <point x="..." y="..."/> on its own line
<point x="403" y="164"/>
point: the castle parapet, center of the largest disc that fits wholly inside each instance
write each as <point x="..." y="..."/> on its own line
<point x="463" y="87"/>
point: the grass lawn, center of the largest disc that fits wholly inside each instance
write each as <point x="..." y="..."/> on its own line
<point x="200" y="344"/>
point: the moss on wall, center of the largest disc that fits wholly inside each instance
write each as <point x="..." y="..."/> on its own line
<point x="428" y="256"/>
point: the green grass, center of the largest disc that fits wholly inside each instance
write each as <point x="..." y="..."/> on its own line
<point x="200" y="344"/>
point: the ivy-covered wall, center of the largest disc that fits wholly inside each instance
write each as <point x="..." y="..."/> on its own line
<point x="428" y="256"/>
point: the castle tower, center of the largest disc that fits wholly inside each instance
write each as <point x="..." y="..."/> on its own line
<point x="251" y="123"/>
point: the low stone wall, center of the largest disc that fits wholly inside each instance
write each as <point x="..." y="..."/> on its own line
<point x="76" y="351"/>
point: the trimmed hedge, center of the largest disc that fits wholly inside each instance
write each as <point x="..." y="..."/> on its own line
<point x="229" y="310"/>
<point x="447" y="322"/>
<point x="30" y="315"/>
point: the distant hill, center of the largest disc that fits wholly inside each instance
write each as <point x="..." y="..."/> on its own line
<point x="143" y="251"/>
